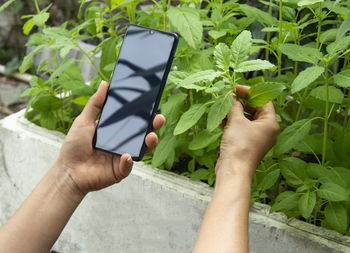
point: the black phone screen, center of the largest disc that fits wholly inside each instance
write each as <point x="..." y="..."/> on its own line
<point x="135" y="90"/>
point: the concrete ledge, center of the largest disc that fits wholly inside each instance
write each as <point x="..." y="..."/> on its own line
<point x="150" y="211"/>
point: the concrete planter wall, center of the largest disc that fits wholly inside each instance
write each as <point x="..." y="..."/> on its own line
<point x="151" y="211"/>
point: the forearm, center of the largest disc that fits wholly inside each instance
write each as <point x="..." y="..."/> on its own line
<point x="225" y="224"/>
<point x="41" y="218"/>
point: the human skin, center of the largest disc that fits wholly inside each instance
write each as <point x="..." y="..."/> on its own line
<point x="244" y="143"/>
<point x="78" y="170"/>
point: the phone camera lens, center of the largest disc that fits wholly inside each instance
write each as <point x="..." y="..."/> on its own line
<point x="151" y="32"/>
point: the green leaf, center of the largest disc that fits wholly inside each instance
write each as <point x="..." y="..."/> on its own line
<point x="35" y="39"/>
<point x="28" y="26"/>
<point x="240" y="48"/>
<point x="217" y="34"/>
<point x="81" y="100"/>
<point x="343" y="29"/>
<point x="222" y="56"/>
<point x="65" y="50"/>
<point x="336" y="216"/>
<point x="165" y="147"/>
<point x="291" y="136"/>
<point x="261" y="93"/>
<point x="338" y="45"/>
<point x="62" y="68"/>
<point x="202" y="76"/>
<point x="285" y="201"/>
<point x="201" y="174"/>
<point x="269" y="180"/>
<point x="47" y="103"/>
<point x="108" y="55"/>
<point x="170" y="108"/>
<point x="27" y="61"/>
<point x="301" y="53"/>
<point x="41" y="18"/>
<point x="302" y="3"/>
<point x="334" y="94"/>
<point x="5" y="5"/>
<point x="203" y="139"/>
<point x="307" y="203"/>
<point x="190" y="118"/>
<point x="328" y="35"/>
<point x="186" y="21"/>
<point x="306" y="77"/>
<point x="293" y="170"/>
<point x="36" y="81"/>
<point x="219" y="110"/>
<point x="332" y="192"/>
<point x="253" y="65"/>
<point x="342" y="78"/>
<point x="258" y="15"/>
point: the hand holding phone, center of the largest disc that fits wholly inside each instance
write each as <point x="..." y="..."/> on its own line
<point x="135" y="91"/>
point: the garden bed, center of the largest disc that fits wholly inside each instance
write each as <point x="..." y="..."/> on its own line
<point x="151" y="211"/>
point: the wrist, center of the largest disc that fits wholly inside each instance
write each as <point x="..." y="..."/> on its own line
<point x="65" y="185"/>
<point x="235" y="168"/>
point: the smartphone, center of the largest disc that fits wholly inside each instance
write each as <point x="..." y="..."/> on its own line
<point x="135" y="91"/>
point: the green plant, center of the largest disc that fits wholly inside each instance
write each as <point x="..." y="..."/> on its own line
<point x="299" y="59"/>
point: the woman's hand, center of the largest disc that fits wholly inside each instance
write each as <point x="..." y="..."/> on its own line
<point x="245" y="142"/>
<point x="90" y="169"/>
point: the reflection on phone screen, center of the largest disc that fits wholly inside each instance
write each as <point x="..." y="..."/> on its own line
<point x="133" y="90"/>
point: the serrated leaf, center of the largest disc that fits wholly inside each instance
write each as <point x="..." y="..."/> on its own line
<point x="186" y="21"/>
<point x="189" y="118"/>
<point x="292" y="135"/>
<point x="285" y="201"/>
<point x="222" y="56"/>
<point x="240" y="48"/>
<point x="302" y="3"/>
<point x="334" y="94"/>
<point x="41" y="18"/>
<point x="269" y="180"/>
<point x="332" y="192"/>
<point x="82" y="100"/>
<point x="262" y="93"/>
<point x="342" y="78"/>
<point x="338" y="45"/>
<point x="27" y="60"/>
<point x="306" y="77"/>
<point x="258" y="15"/>
<point x="301" y="53"/>
<point x="47" y="103"/>
<point x="219" y="110"/>
<point x="293" y="170"/>
<point x="336" y="216"/>
<point x="203" y="139"/>
<point x="171" y="107"/>
<point x="253" y="65"/>
<point x="307" y="203"/>
<point x="65" y="50"/>
<point x="162" y="152"/>
<point x="191" y="81"/>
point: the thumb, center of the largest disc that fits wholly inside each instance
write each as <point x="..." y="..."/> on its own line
<point x="236" y="112"/>
<point x="94" y="106"/>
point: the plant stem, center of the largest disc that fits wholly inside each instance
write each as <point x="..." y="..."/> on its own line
<point x="37" y="6"/>
<point x="267" y="55"/>
<point x="326" y="116"/>
<point x="91" y="61"/>
<point x="280" y="41"/>
<point x="301" y="104"/>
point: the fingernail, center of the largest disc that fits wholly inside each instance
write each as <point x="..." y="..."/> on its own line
<point x="129" y="158"/>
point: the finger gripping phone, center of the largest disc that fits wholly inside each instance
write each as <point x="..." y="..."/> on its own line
<point x="135" y="91"/>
